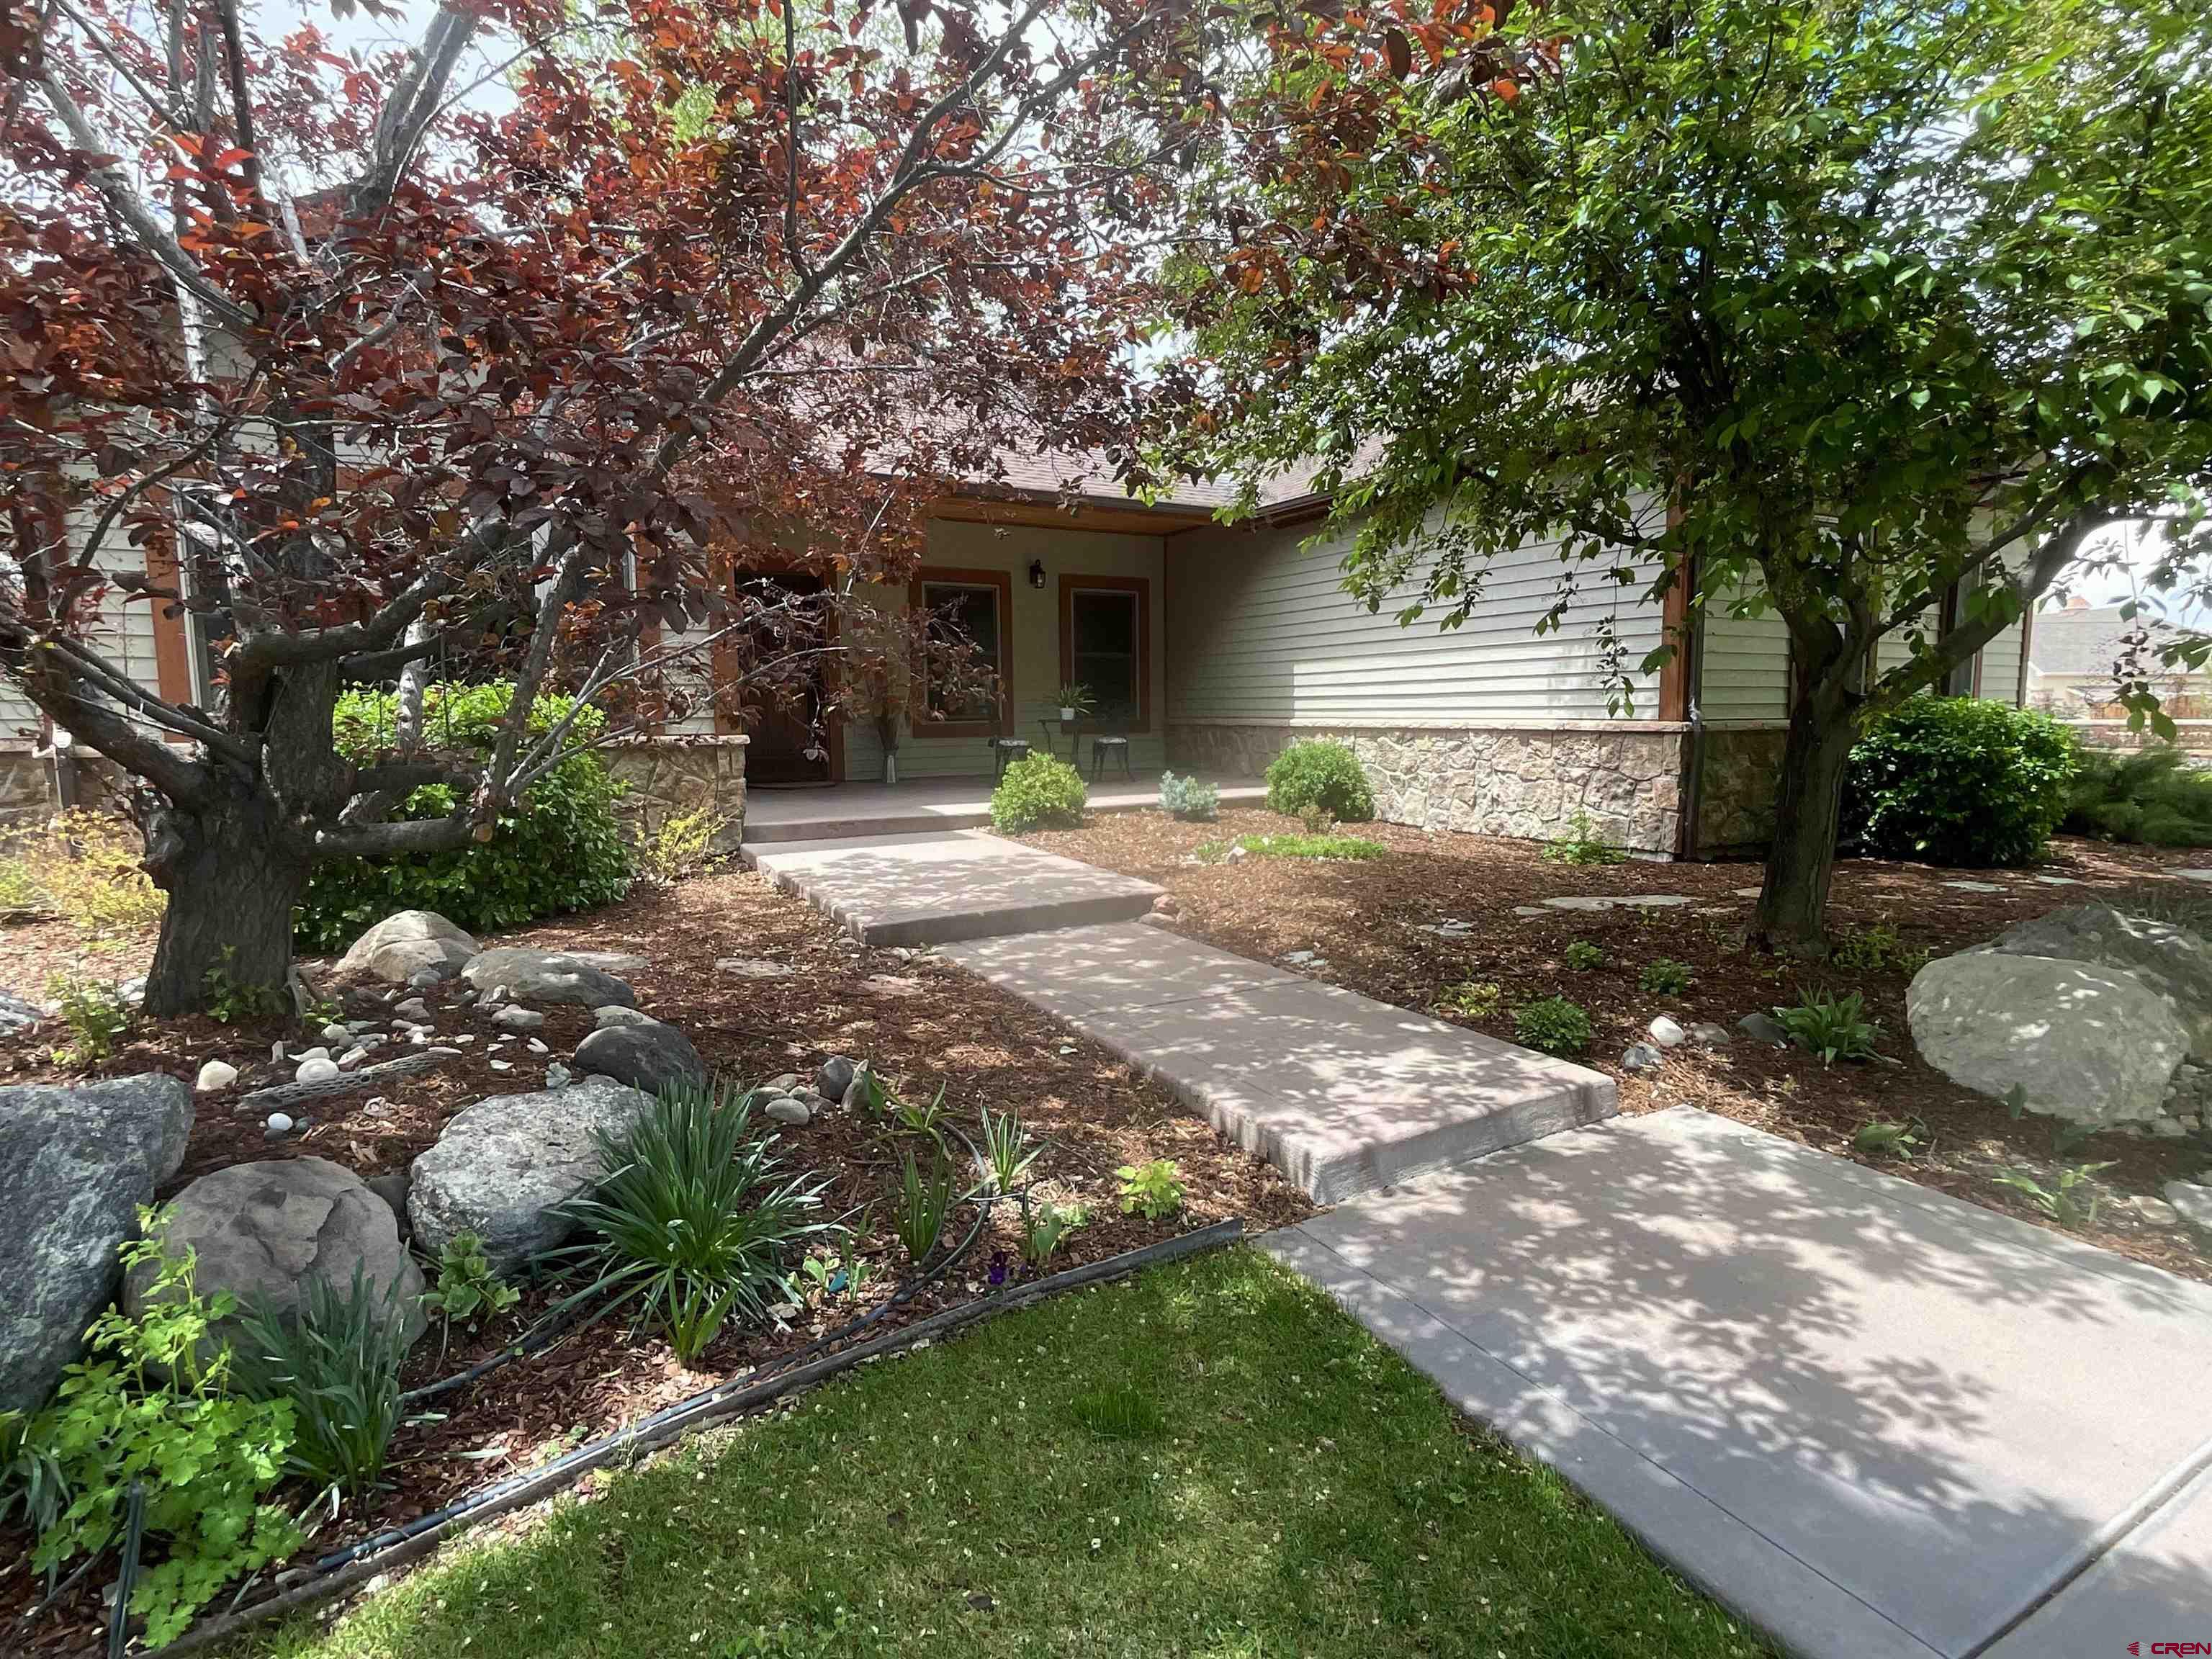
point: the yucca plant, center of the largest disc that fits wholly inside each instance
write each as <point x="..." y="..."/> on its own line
<point x="1005" y="1154"/>
<point x="922" y="1207"/>
<point x="695" y="1217"/>
<point x="335" y="1359"/>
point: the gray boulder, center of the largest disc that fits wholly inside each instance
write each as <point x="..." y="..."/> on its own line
<point x="2093" y="1045"/>
<point x="833" y="1076"/>
<point x="501" y="1167"/>
<point x="264" y="1231"/>
<point x="16" y="1014"/>
<point x="408" y="943"/>
<point x="649" y="1057"/>
<point x="2192" y="1203"/>
<point x="74" y="1165"/>
<point x="527" y="975"/>
<point x="2172" y="961"/>
<point x="615" y="1014"/>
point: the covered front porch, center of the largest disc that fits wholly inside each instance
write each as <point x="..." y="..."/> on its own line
<point x="1058" y="596"/>
<point x="841" y="812"/>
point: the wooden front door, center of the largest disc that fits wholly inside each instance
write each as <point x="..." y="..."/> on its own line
<point x="793" y="739"/>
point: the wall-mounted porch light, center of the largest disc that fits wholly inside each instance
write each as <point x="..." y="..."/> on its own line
<point x="1036" y="573"/>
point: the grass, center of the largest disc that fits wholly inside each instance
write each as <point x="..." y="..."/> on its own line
<point x="1211" y="1460"/>
<point x="1293" y="845"/>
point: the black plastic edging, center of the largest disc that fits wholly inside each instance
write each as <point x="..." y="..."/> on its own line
<point x="715" y="1405"/>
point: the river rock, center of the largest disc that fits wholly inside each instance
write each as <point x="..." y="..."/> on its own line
<point x="264" y="1231"/>
<point x="502" y="1168"/>
<point x="2091" y="1044"/>
<point x="74" y="1165"/>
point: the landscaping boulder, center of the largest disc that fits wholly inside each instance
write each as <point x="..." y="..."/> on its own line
<point x="74" y="1165"/>
<point x="527" y="976"/>
<point x="2192" y="1203"/>
<point x="16" y="1014"/>
<point x="501" y="1169"/>
<point x="2172" y="961"/>
<point x="615" y="1014"/>
<point x="265" y="1231"/>
<point x="411" y="943"/>
<point x="2093" y="1045"/>
<point x="649" y="1057"/>
<point x="833" y="1076"/>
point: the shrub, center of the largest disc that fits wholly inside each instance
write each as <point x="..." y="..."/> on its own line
<point x="1830" y="1026"/>
<point x="467" y="1287"/>
<point x="1582" y="845"/>
<point x="1473" y="1000"/>
<point x="2154" y="796"/>
<point x="694" y="1216"/>
<point x="1663" y="976"/>
<point x="154" y="1402"/>
<point x="2072" y="1203"/>
<point x="1323" y="775"/>
<point x="96" y="1015"/>
<point x="1188" y="799"/>
<point x="1038" y="792"/>
<point x="1958" y="781"/>
<point x="1553" y="1024"/>
<point x="561" y="847"/>
<point x="83" y="868"/>
<point x="1582" y="955"/>
<point x="684" y="843"/>
<point x="1876" y="949"/>
<point x="334" y="1360"/>
<point x="1153" y="1190"/>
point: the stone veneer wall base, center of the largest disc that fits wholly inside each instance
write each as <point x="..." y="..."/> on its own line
<point x="1525" y="781"/>
<point x="672" y="775"/>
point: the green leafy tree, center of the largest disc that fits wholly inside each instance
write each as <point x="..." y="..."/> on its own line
<point x="1872" y="314"/>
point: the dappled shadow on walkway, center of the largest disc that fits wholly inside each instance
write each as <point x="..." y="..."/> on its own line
<point x="1932" y="1407"/>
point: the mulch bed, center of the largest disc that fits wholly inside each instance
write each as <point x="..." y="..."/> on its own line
<point x="922" y="1025"/>
<point x="1366" y="919"/>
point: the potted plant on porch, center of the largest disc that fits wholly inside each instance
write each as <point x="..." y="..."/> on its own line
<point x="1075" y="702"/>
<point x="880" y="695"/>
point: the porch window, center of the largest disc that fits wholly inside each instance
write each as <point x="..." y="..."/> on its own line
<point x="972" y="608"/>
<point x="1105" y="645"/>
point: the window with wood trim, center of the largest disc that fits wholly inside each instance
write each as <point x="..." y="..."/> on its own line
<point x="970" y="611"/>
<point x="1106" y="647"/>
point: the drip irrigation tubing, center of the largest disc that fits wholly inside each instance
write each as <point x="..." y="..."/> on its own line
<point x="335" y="1573"/>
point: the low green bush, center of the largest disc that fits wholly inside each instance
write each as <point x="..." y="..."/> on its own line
<point x="1188" y="799"/>
<point x="154" y="1403"/>
<point x="1326" y="847"/>
<point x="1581" y="955"/>
<point x="696" y="1219"/>
<point x="1958" y="781"/>
<point x="335" y="1361"/>
<point x="1664" y="977"/>
<point x="2154" y="796"/>
<point x="1322" y="777"/>
<point x="1553" y="1024"/>
<point x="1831" y="1027"/>
<point x="1038" y="792"/>
<point x="559" y="848"/>
<point x="1582" y="844"/>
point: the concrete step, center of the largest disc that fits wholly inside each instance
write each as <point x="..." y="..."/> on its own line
<point x="1342" y="1093"/>
<point x="935" y="888"/>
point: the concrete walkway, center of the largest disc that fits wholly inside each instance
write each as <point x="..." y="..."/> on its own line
<point x="930" y="888"/>
<point x="1874" y="1420"/>
<point x="1340" y="1092"/>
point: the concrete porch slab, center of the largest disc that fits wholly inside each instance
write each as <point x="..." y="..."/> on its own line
<point x="841" y="812"/>
<point x="958" y="884"/>
<point x="1342" y="1093"/>
<point x="1872" y="1419"/>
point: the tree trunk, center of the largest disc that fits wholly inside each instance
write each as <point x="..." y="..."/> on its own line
<point x="1808" y="800"/>
<point x="232" y="879"/>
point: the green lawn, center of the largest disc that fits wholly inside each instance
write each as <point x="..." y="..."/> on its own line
<point x="1209" y="1460"/>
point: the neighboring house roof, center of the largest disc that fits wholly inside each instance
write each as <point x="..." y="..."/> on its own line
<point x="2081" y="642"/>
